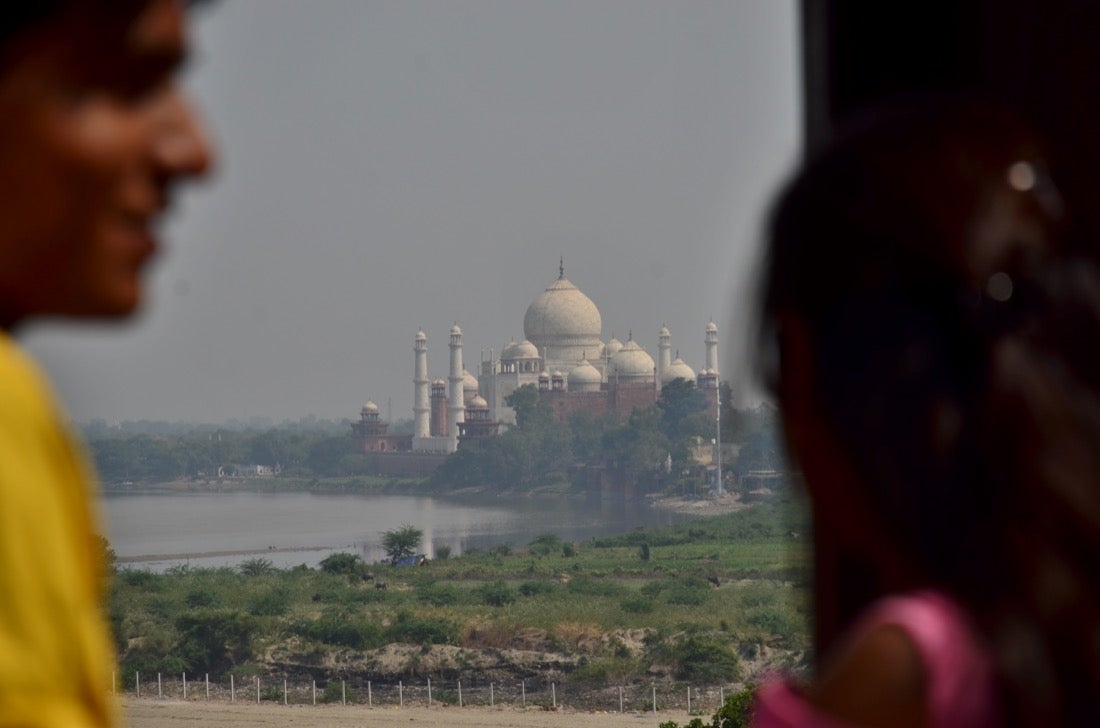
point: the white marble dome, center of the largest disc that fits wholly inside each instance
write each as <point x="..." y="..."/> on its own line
<point x="478" y="402"/>
<point x="562" y="319"/>
<point x="469" y="382"/>
<point x="369" y="408"/>
<point x="523" y="350"/>
<point x="632" y="362"/>
<point x="612" y="348"/>
<point x="584" y="378"/>
<point x="677" y="370"/>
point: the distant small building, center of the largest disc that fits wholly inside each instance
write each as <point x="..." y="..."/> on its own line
<point x="372" y="433"/>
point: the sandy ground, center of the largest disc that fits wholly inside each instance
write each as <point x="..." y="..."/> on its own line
<point x="155" y="713"/>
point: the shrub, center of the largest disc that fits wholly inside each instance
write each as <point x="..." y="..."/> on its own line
<point x="356" y="634"/>
<point x="545" y="544"/>
<point x="272" y="603"/>
<point x="422" y="631"/>
<point x="704" y="659"/>
<point x="257" y="567"/>
<point x="443" y="553"/>
<point x="203" y="597"/>
<point x="212" y="641"/>
<point x="497" y="594"/>
<point x="568" y="550"/>
<point x="342" y="563"/>
<point x="439" y="595"/>
<point x="637" y="605"/>
<point x="535" y="588"/>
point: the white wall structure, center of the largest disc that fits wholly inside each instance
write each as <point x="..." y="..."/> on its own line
<point x="420" y="388"/>
<point x="456" y="402"/>
<point x="712" y="346"/>
<point x="664" y="355"/>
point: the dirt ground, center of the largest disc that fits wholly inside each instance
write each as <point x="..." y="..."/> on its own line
<point x="155" y="713"/>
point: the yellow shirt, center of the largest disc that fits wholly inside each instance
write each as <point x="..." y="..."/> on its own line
<point x="56" y="657"/>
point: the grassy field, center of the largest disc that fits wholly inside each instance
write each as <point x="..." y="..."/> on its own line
<point x="709" y="601"/>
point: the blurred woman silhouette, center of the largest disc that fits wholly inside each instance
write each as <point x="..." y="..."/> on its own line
<point x="931" y="328"/>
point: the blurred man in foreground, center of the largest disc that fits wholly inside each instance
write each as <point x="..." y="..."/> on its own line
<point x="93" y="134"/>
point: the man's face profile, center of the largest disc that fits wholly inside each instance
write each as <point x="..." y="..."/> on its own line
<point x="93" y="132"/>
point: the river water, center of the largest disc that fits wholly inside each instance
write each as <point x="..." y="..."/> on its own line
<point x="158" y="531"/>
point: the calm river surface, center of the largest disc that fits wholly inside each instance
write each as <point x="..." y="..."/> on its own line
<point x="222" y="529"/>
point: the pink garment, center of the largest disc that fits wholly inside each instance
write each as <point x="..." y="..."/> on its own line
<point x="960" y="680"/>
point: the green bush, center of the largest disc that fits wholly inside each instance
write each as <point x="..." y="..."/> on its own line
<point x="212" y="641"/>
<point x="203" y="597"/>
<point x="439" y="595"/>
<point x="272" y="603"/>
<point x="535" y="588"/>
<point x="637" y="605"/>
<point x="422" y="631"/>
<point x="342" y="563"/>
<point x="545" y="544"/>
<point x="497" y="594"/>
<point x="257" y="567"/>
<point x="356" y="634"/>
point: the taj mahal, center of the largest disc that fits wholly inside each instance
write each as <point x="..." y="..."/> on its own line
<point x="562" y="354"/>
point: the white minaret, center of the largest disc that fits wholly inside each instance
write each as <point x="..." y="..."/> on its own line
<point x="456" y="404"/>
<point x="420" y="386"/>
<point x="712" y="347"/>
<point x="664" y="357"/>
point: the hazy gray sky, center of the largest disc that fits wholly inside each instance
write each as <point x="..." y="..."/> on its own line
<point x="393" y="165"/>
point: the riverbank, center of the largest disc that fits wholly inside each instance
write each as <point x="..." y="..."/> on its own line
<point x="702" y="506"/>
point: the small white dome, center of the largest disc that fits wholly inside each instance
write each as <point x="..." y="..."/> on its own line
<point x="370" y="407"/>
<point x="439" y="383"/>
<point x="612" y="347"/>
<point x="456" y="330"/>
<point x="523" y="350"/>
<point x="478" y="402"/>
<point x="632" y="361"/>
<point x="421" y="336"/>
<point x="469" y="381"/>
<point x="584" y="373"/>
<point x="677" y="370"/>
<point x="712" y="327"/>
<point x="544" y="376"/>
<point x="663" y="332"/>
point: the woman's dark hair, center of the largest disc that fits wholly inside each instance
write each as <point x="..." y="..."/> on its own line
<point x="953" y="325"/>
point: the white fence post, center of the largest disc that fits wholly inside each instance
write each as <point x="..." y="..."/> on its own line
<point x="400" y="694"/>
<point x="315" y="692"/>
<point x="553" y="695"/>
<point x="257" y="690"/>
<point x="285" y="701"/>
<point x="689" y="700"/>
<point x="137" y="682"/>
<point x="654" y="698"/>
<point x="185" y="685"/>
<point x="208" y="686"/>
<point x="460" y="693"/>
<point x="620" y="698"/>
<point x="523" y="691"/>
<point x="160" y="691"/>
<point x="491" y="701"/>
<point x="721" y="696"/>
<point x="232" y="690"/>
<point x="343" y="692"/>
<point x="370" y="698"/>
<point x="429" y="692"/>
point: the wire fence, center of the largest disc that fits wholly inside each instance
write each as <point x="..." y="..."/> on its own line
<point x="546" y="694"/>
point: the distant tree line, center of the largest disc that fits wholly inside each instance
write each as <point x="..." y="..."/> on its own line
<point x="322" y="450"/>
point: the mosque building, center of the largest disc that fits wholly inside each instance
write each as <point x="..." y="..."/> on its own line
<point x="562" y="354"/>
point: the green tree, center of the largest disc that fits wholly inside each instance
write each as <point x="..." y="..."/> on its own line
<point x="401" y="542"/>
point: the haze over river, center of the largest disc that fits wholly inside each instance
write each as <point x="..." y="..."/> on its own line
<point x="223" y="529"/>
